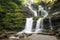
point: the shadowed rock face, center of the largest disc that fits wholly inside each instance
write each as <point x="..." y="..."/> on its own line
<point x="55" y="21"/>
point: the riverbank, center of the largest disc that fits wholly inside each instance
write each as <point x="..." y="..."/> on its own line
<point x="36" y="37"/>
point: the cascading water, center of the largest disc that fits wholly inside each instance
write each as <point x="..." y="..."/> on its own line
<point x="28" y="27"/>
<point x="30" y="7"/>
<point x="39" y="25"/>
<point x="50" y="23"/>
<point x="29" y="21"/>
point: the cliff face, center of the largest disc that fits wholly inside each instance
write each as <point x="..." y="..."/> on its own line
<point x="55" y="22"/>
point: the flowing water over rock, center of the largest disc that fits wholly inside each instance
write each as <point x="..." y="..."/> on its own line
<point x="28" y="27"/>
<point x="29" y="21"/>
<point x="39" y="24"/>
<point x="50" y="23"/>
<point x="29" y="4"/>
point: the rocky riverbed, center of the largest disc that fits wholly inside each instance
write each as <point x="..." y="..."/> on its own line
<point x="36" y="37"/>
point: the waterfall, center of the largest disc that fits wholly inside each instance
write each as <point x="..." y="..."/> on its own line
<point x="39" y="25"/>
<point x="30" y="7"/>
<point x="28" y="27"/>
<point x="29" y="21"/>
<point x="50" y="23"/>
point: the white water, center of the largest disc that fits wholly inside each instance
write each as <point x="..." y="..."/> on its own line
<point x="29" y="3"/>
<point x="39" y="25"/>
<point x="50" y="23"/>
<point x="29" y="21"/>
<point x="28" y="27"/>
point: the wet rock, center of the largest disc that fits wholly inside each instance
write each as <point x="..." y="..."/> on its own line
<point x="14" y="37"/>
<point x="24" y="34"/>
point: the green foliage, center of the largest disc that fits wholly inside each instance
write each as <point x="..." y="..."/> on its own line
<point x="37" y="1"/>
<point x="9" y="5"/>
<point x="55" y="6"/>
<point x="10" y="16"/>
<point x="36" y="17"/>
<point x="14" y="21"/>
